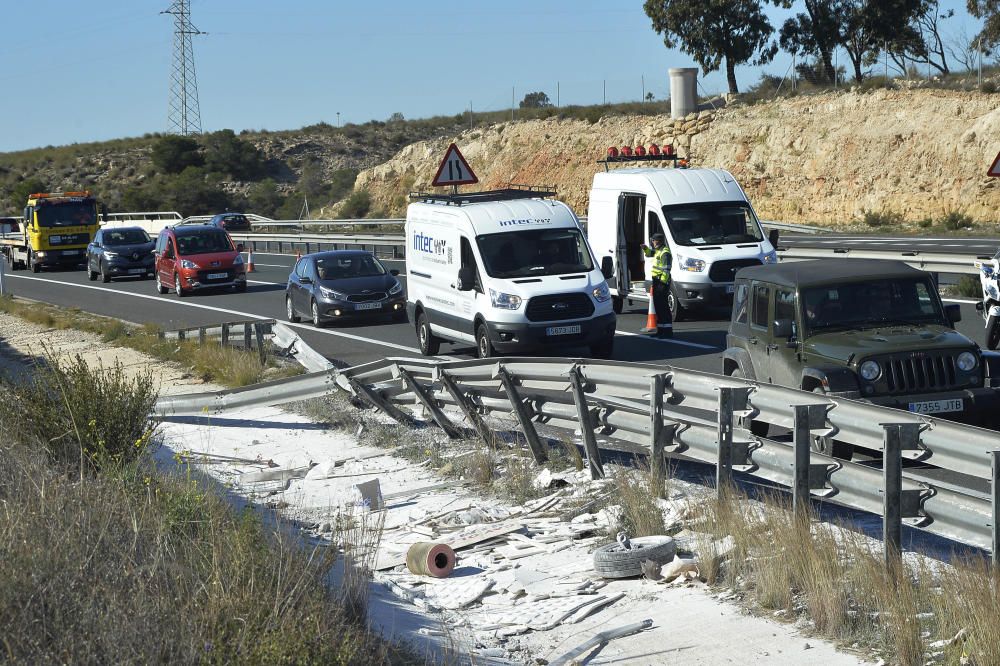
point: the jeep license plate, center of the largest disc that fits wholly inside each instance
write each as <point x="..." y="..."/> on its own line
<point x="937" y="406"/>
<point x="562" y="330"/>
<point x="217" y="276"/>
<point x="368" y="306"/>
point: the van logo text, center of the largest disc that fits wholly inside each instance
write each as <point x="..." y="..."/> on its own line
<point x="537" y="220"/>
<point x="429" y="244"/>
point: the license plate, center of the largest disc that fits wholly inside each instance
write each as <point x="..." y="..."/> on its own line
<point x="562" y="330"/>
<point x="136" y="271"/>
<point x="368" y="306"/>
<point x="937" y="406"/>
<point x="69" y="252"/>
<point x="217" y="276"/>
<point x="730" y="288"/>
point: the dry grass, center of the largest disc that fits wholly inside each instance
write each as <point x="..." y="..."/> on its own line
<point x="633" y="490"/>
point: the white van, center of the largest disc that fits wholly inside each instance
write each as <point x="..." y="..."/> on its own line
<point x="508" y="271"/>
<point x="710" y="226"/>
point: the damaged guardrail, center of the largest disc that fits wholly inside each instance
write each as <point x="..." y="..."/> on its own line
<point x="253" y="333"/>
<point x="664" y="411"/>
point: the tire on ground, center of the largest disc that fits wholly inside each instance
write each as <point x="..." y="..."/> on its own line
<point x="613" y="561"/>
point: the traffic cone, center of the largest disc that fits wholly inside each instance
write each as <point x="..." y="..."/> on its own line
<point x="250" y="268"/>
<point x="651" y="317"/>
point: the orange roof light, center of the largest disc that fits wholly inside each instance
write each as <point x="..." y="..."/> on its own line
<point x="47" y="195"/>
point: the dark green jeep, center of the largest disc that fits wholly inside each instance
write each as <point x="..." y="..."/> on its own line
<point x="857" y="328"/>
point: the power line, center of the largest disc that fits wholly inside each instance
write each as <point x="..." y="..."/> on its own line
<point x="184" y="113"/>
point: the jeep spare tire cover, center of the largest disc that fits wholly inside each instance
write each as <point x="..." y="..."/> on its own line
<point x="613" y="561"/>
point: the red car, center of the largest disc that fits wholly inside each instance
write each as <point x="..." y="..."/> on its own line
<point x="194" y="257"/>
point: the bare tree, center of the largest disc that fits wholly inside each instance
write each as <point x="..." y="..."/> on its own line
<point x="922" y="43"/>
<point x="962" y="49"/>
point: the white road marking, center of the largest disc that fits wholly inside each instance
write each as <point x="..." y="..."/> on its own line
<point x="200" y="306"/>
<point x="959" y="300"/>
<point x="671" y="341"/>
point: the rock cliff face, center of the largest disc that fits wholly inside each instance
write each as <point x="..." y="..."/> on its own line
<point x="821" y="159"/>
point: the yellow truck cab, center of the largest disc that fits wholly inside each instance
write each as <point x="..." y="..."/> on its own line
<point x="57" y="228"/>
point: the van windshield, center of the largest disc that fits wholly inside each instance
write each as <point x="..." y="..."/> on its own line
<point x="717" y="223"/>
<point x="535" y="252"/>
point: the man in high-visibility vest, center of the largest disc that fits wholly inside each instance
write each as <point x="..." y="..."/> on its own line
<point x="661" y="284"/>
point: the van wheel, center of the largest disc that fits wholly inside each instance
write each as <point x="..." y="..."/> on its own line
<point x="756" y="427"/>
<point x="484" y="347"/>
<point x="604" y="349"/>
<point x="677" y="311"/>
<point x="178" y="289"/>
<point x="618" y="304"/>
<point x="828" y="445"/>
<point x="290" y="311"/>
<point x="159" y="285"/>
<point x="429" y="344"/>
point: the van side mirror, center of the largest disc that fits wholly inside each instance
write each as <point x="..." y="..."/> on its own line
<point x="607" y="268"/>
<point x="782" y="328"/>
<point x="954" y="312"/>
<point x="466" y="278"/>
<point x="772" y="236"/>
<point x="393" y="271"/>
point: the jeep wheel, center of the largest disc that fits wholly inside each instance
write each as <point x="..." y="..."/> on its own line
<point x="828" y="445"/>
<point x="677" y="311"/>
<point x="756" y="427"/>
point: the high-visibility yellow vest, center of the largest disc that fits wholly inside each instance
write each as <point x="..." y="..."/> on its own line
<point x="661" y="262"/>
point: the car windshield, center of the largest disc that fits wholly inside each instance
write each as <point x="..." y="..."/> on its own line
<point x="712" y="224"/>
<point x="203" y="243"/>
<point x="535" y="252"/>
<point x="74" y="214"/>
<point x="348" y="266"/>
<point x="896" y="301"/>
<point x="125" y="237"/>
<point x="234" y="219"/>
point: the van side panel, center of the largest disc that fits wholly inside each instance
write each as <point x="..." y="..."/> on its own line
<point x="432" y="262"/>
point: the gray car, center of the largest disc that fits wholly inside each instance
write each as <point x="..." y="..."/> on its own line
<point x="343" y="285"/>
<point x="120" y="252"/>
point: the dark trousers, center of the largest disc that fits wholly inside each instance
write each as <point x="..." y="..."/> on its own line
<point x="664" y="323"/>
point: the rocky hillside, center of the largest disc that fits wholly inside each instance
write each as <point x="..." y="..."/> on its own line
<point x="824" y="159"/>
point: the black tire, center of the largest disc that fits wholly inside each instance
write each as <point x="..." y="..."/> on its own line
<point x="178" y="289"/>
<point x="604" y="349"/>
<point x="241" y="287"/>
<point x="91" y="275"/>
<point x="160" y="287"/>
<point x="105" y="278"/>
<point x="290" y="313"/>
<point x="618" y="304"/>
<point x="33" y="263"/>
<point x="429" y="344"/>
<point x="992" y="332"/>
<point x="484" y="346"/>
<point x="677" y="311"/>
<point x="828" y="445"/>
<point x="314" y="311"/>
<point x="756" y="428"/>
<point x="613" y="561"/>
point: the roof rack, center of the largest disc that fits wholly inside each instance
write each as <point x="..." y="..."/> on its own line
<point x="509" y="193"/>
<point x="621" y="159"/>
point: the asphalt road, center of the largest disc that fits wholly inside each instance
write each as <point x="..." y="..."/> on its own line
<point x="944" y="244"/>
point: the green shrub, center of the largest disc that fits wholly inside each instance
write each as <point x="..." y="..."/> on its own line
<point x="173" y="154"/>
<point x="357" y="205"/>
<point x="969" y="286"/>
<point x="954" y="220"/>
<point x="988" y="87"/>
<point x="882" y="218"/>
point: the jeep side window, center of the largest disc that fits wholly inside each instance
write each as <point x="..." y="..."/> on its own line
<point x="740" y="302"/>
<point x="784" y="307"/>
<point x="469" y="259"/>
<point x="758" y="318"/>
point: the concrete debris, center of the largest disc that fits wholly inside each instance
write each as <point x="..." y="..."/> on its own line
<point x="368" y="495"/>
<point x="651" y="570"/>
<point x="601" y="638"/>
<point x="276" y="474"/>
<point x="678" y="567"/>
<point x="546" y="479"/>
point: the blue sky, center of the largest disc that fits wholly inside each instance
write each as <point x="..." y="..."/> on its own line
<point x="76" y="72"/>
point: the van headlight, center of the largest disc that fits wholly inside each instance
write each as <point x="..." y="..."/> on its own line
<point x="396" y="288"/>
<point x="690" y="264"/>
<point x="870" y="371"/>
<point x="504" y="301"/>
<point x="771" y="257"/>
<point x="966" y="361"/>
<point x="601" y="292"/>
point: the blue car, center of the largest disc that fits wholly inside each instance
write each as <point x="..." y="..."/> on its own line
<point x="231" y="222"/>
<point x="120" y="252"/>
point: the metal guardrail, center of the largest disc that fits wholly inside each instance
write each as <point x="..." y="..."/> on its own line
<point x="159" y="216"/>
<point x="933" y="262"/>
<point x="663" y="410"/>
<point x="251" y="332"/>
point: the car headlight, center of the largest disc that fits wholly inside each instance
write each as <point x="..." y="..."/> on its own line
<point x="689" y="264"/>
<point x="601" y="292"/>
<point x="331" y="294"/>
<point x="966" y="361"/>
<point x="771" y="257"/>
<point x="870" y="371"/>
<point x="110" y="255"/>
<point x="190" y="265"/>
<point x="396" y="288"/>
<point x="238" y="261"/>
<point x="504" y="301"/>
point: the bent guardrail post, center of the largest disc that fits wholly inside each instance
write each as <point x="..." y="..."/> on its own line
<point x="586" y="425"/>
<point x="378" y="402"/>
<point x="429" y="404"/>
<point x="995" y="502"/>
<point x="657" y="434"/>
<point x="535" y="444"/>
<point x="468" y="408"/>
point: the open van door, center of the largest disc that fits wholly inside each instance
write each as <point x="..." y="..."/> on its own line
<point x="622" y="277"/>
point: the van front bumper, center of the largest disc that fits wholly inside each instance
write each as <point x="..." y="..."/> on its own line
<point x="514" y="338"/>
<point x="703" y="294"/>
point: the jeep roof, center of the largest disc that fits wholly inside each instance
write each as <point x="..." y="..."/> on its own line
<point x="825" y="271"/>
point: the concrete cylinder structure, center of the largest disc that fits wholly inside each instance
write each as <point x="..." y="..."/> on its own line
<point x="683" y="91"/>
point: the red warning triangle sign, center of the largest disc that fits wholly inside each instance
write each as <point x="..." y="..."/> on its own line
<point x="995" y="169"/>
<point x="454" y="169"/>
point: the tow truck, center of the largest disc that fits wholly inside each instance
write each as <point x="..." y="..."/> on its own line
<point x="55" y="231"/>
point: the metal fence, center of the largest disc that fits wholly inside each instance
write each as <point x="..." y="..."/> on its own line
<point x="664" y="411"/>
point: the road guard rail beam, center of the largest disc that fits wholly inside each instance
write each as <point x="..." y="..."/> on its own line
<point x="932" y="262"/>
<point x="252" y="333"/>
<point x="663" y="410"/>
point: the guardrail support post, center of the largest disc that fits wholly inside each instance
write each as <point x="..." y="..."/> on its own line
<point x="202" y="335"/>
<point x="428" y="402"/>
<point x="225" y="334"/>
<point x="258" y="330"/>
<point x="535" y="444"/>
<point x="469" y="409"/>
<point x="800" y="469"/>
<point x="586" y="426"/>
<point x="657" y="433"/>
<point x="724" y="433"/>
<point x="246" y="336"/>
<point x="995" y="492"/>
<point x="182" y="334"/>
<point x="897" y="438"/>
